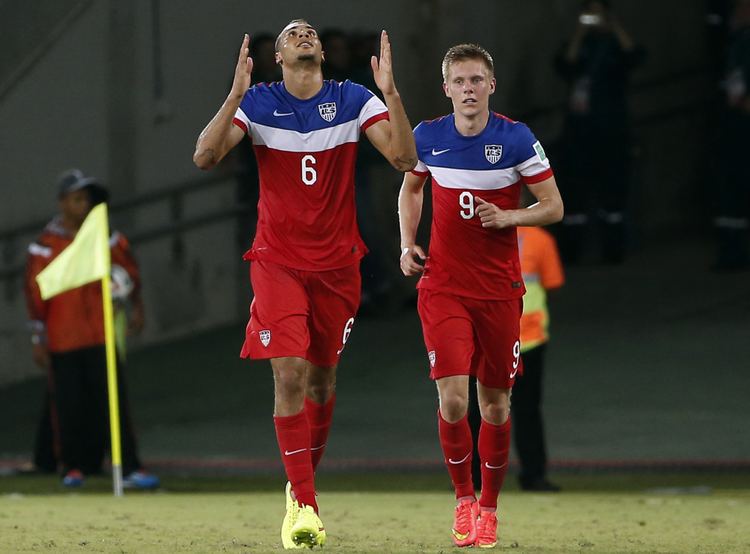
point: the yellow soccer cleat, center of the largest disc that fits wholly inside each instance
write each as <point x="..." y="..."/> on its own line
<point x="308" y="530"/>
<point x="290" y="518"/>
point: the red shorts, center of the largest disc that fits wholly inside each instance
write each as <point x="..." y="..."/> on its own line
<point x="306" y="314"/>
<point x="466" y="336"/>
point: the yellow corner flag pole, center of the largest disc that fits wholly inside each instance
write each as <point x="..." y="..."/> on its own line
<point x="86" y="260"/>
<point x="114" y="402"/>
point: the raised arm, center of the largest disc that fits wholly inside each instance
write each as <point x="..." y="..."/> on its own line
<point x="221" y="135"/>
<point x="393" y="138"/>
<point x="410" y="199"/>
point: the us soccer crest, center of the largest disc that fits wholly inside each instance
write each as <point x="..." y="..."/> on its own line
<point x="493" y="152"/>
<point x="327" y="111"/>
<point x="265" y="336"/>
<point x="431" y="356"/>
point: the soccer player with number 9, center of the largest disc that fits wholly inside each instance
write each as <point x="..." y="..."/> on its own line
<point x="471" y="286"/>
<point x="306" y="252"/>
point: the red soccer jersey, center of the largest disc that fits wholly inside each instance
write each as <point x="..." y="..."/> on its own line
<point x="306" y="152"/>
<point x="466" y="259"/>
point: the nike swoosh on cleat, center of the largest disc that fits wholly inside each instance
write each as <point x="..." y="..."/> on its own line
<point x="488" y="466"/>
<point x="279" y="114"/>
<point x="288" y="453"/>
<point x="459" y="536"/>
<point x="462" y="460"/>
<point x="438" y="152"/>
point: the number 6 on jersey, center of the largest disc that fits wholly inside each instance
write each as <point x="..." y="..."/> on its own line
<point x="309" y="175"/>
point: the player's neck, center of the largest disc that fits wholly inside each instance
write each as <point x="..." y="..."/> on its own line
<point x="303" y="82"/>
<point x="470" y="126"/>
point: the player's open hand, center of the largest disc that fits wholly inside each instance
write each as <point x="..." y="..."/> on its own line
<point x="409" y="264"/>
<point x="244" y="68"/>
<point x="491" y="216"/>
<point x="382" y="69"/>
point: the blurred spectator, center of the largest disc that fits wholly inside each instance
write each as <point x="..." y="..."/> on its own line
<point x="718" y="14"/>
<point x="542" y="273"/>
<point x="364" y="45"/>
<point x="68" y="341"/>
<point x="337" y="52"/>
<point x="263" y="52"/>
<point x="733" y="219"/>
<point x="596" y="142"/>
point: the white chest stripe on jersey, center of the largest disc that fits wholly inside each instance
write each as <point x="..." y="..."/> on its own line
<point x="314" y="141"/>
<point x="488" y="179"/>
<point x="491" y="179"/>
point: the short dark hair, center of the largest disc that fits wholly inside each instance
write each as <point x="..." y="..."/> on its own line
<point x="293" y="22"/>
<point x="461" y="52"/>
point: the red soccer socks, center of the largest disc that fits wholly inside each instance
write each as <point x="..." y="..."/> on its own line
<point x="319" y="417"/>
<point x="494" y="444"/>
<point x="457" y="444"/>
<point x="293" y="435"/>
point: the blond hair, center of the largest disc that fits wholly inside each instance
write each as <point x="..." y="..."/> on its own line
<point x="462" y="52"/>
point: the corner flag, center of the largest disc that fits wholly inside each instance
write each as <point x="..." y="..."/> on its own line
<point x="85" y="260"/>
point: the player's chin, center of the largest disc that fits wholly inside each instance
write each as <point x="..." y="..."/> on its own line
<point x="306" y="57"/>
<point x="470" y="108"/>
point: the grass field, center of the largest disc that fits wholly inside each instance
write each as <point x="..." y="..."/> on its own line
<point x="378" y="514"/>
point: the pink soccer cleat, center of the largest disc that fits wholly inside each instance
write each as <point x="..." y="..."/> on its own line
<point x="464" y="530"/>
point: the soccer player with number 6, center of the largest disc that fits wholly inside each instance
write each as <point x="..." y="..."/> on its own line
<point x="306" y="252"/>
<point x="471" y="285"/>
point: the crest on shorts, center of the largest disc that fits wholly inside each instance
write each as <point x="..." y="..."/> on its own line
<point x="327" y="111"/>
<point x="431" y="356"/>
<point x="265" y="336"/>
<point x="493" y="152"/>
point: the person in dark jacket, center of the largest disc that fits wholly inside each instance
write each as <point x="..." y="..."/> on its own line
<point x="596" y="143"/>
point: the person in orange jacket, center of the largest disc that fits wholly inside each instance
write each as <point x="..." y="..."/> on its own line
<point x="68" y="342"/>
<point x="542" y="272"/>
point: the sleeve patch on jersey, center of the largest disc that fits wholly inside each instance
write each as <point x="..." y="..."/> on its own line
<point x="540" y="151"/>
